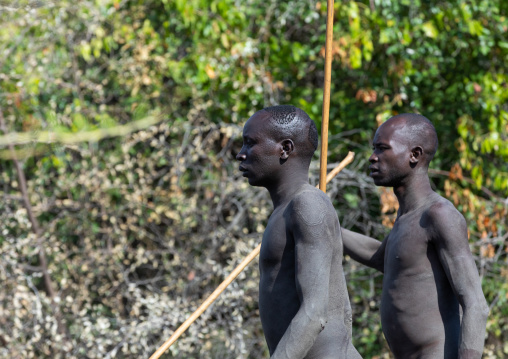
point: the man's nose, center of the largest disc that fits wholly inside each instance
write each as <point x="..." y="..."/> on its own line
<point x="240" y="156"/>
<point x="373" y="158"/>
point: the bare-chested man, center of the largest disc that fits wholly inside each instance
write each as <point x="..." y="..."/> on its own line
<point x="427" y="264"/>
<point x="303" y="300"/>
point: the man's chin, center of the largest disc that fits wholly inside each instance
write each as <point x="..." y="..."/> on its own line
<point x="254" y="183"/>
<point x="381" y="183"/>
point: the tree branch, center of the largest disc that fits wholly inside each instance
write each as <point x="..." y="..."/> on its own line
<point x="485" y="190"/>
<point x="48" y="283"/>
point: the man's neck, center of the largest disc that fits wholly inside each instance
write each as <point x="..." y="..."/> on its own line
<point x="413" y="193"/>
<point x="284" y="191"/>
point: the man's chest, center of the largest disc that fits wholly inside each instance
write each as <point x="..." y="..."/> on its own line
<point x="277" y="246"/>
<point x="407" y="247"/>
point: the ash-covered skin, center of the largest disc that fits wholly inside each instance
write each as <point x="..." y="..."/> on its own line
<point x="429" y="272"/>
<point x="303" y="301"/>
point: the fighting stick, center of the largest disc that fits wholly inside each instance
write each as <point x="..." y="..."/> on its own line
<point x="326" y="95"/>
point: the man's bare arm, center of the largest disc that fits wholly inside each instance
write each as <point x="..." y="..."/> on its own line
<point x="449" y="234"/>
<point x="314" y="226"/>
<point x="363" y="249"/>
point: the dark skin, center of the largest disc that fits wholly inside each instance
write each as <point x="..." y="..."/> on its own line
<point x="303" y="300"/>
<point x="428" y="268"/>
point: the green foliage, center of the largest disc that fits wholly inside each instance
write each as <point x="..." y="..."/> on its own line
<point x="138" y="228"/>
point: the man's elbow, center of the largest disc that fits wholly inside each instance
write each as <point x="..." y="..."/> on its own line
<point x="483" y="307"/>
<point x="480" y="309"/>
<point x="485" y="310"/>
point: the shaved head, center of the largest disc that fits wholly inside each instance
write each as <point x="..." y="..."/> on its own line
<point x="420" y="132"/>
<point x="289" y="122"/>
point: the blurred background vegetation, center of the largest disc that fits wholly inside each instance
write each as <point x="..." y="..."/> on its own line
<point x="122" y="206"/>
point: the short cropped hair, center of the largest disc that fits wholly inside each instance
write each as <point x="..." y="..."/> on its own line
<point x="294" y="123"/>
<point x="421" y="133"/>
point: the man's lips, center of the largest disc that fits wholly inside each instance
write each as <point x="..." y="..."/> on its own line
<point x="373" y="170"/>
<point x="243" y="169"/>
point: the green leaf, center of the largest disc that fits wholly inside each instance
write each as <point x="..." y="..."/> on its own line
<point x="430" y="30"/>
<point x="355" y="55"/>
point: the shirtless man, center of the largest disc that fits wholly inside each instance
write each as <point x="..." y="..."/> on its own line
<point x="303" y="299"/>
<point x="427" y="264"/>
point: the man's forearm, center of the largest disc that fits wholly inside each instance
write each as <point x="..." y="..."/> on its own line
<point x="299" y="336"/>
<point x="472" y="336"/>
<point x="363" y="249"/>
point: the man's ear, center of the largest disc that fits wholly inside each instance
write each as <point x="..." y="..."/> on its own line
<point x="287" y="148"/>
<point x="416" y="155"/>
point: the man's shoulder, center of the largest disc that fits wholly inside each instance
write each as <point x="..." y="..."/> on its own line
<point x="311" y="204"/>
<point x="309" y="197"/>
<point x="442" y="209"/>
<point x="443" y="216"/>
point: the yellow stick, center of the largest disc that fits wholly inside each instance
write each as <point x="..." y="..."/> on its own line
<point x="232" y="276"/>
<point x="326" y="95"/>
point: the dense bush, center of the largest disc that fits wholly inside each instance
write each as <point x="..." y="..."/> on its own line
<point x="125" y="115"/>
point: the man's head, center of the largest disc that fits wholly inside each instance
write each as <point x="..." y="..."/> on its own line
<point x="403" y="146"/>
<point x="275" y="139"/>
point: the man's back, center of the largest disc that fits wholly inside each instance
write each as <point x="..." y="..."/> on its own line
<point x="288" y="254"/>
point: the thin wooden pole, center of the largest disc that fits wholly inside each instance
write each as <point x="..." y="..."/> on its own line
<point x="232" y="276"/>
<point x="326" y="94"/>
